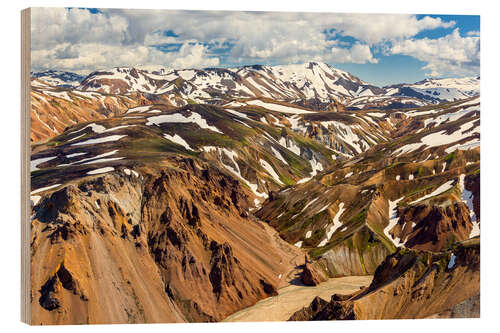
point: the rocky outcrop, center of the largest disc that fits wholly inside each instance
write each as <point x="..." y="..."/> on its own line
<point x="311" y="276"/>
<point x="310" y="311"/>
<point x="411" y="284"/>
<point x="89" y="262"/>
<point x="431" y="227"/>
<point x="197" y="262"/>
<point x="343" y="260"/>
<point x="167" y="246"/>
<point x="50" y="290"/>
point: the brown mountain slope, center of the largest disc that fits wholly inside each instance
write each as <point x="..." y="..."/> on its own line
<point x="54" y="109"/>
<point x="165" y="245"/>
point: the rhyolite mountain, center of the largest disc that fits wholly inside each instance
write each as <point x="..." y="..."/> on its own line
<point x="315" y="86"/>
<point x="163" y="195"/>
<point x="419" y="190"/>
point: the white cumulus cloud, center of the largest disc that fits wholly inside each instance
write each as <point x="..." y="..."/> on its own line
<point x="357" y="54"/>
<point x="192" y="56"/>
<point x="376" y="28"/>
<point x="78" y="40"/>
<point x="449" y="55"/>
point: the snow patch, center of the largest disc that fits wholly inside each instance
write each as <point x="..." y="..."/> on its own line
<point x="178" y="139"/>
<point x="95" y="157"/>
<point x="376" y="114"/>
<point x="324" y="208"/>
<point x="290" y="145"/>
<point x="209" y="149"/>
<point x="336" y="224"/>
<point x="278" y="107"/>
<point x="316" y="166"/>
<point x="34" y="163"/>
<point x="239" y="114"/>
<point x="77" y="137"/>
<point x="441" y="189"/>
<point x="179" y="118"/>
<point x="41" y="189"/>
<point x="308" y="204"/>
<point x="99" y="140"/>
<point x="75" y="155"/>
<point x="101" y="170"/>
<point x="408" y="148"/>
<point x="34" y="200"/>
<point x="236" y="170"/>
<point x="393" y="220"/>
<point x="466" y="146"/>
<point x="271" y="171"/>
<point x="139" y="109"/>
<point x="277" y="154"/>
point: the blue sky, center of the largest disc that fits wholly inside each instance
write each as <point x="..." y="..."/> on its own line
<point x="378" y="48"/>
<point x="397" y="68"/>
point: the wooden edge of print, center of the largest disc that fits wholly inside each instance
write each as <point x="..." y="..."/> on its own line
<point x="25" y="157"/>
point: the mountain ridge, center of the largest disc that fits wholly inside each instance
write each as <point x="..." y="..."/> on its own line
<point x="307" y="81"/>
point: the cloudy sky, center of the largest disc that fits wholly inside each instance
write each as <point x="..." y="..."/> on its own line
<point x="379" y="48"/>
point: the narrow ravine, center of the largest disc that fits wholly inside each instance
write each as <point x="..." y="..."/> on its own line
<point x="294" y="297"/>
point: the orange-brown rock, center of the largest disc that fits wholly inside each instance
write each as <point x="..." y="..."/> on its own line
<point x="167" y="246"/>
<point x="412" y="284"/>
<point x="52" y="114"/>
<point x="309" y="311"/>
<point x="311" y="276"/>
<point x="432" y="228"/>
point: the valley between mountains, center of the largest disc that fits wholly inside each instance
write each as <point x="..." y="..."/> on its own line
<point x="205" y="195"/>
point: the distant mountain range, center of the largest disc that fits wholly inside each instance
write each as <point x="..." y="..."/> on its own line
<point x="438" y="90"/>
<point x="59" y="78"/>
<point x="313" y="85"/>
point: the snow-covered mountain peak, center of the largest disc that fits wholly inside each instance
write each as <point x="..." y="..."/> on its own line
<point x="311" y="84"/>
